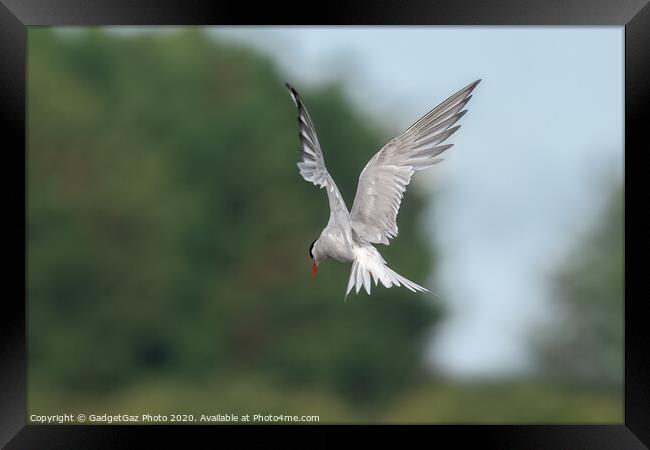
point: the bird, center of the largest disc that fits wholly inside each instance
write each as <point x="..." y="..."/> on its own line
<point x="350" y="235"/>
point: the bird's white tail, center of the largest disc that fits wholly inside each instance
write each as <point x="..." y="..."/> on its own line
<point x="369" y="263"/>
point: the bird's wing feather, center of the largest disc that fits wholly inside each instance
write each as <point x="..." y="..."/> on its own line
<point x="383" y="181"/>
<point x="312" y="163"/>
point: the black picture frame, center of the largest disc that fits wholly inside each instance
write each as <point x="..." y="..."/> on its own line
<point x="634" y="15"/>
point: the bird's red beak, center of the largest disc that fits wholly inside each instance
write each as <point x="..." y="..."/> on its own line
<point x="314" y="268"/>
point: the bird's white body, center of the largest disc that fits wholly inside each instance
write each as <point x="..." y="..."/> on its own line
<point x="332" y="244"/>
<point x="367" y="264"/>
<point x="349" y="235"/>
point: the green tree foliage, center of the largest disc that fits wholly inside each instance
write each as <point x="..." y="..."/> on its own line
<point x="168" y="227"/>
<point x="586" y="343"/>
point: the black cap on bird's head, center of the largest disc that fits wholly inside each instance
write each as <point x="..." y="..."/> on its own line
<point x="311" y="248"/>
<point x="314" y="267"/>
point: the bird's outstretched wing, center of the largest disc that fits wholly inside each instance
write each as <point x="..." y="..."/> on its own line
<point x="383" y="181"/>
<point x="312" y="164"/>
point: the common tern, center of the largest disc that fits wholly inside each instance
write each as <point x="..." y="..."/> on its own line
<point x="349" y="235"/>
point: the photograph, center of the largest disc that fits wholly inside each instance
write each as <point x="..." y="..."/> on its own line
<point x="325" y="225"/>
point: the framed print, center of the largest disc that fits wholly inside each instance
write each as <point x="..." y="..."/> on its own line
<point x="209" y="191"/>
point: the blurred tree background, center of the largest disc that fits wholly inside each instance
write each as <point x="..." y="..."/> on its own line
<point x="167" y="263"/>
<point x="168" y="228"/>
<point x="585" y="344"/>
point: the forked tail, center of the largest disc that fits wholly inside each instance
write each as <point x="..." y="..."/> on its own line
<point x="369" y="264"/>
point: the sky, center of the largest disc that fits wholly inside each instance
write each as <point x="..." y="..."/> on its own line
<point x="538" y="151"/>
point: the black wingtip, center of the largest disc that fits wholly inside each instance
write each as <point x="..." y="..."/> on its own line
<point x="291" y="88"/>
<point x="293" y="93"/>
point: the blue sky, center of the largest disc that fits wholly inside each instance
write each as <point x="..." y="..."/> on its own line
<point x="537" y="154"/>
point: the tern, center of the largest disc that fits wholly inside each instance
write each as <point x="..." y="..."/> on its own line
<point x="349" y="235"/>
